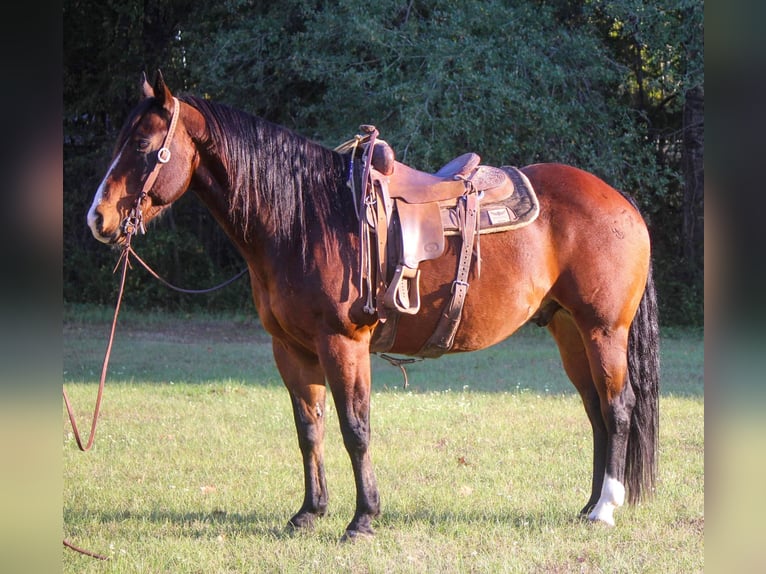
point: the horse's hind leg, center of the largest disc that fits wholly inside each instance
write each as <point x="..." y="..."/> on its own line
<point x="304" y="378"/>
<point x="577" y="367"/>
<point x="596" y="362"/>
<point x="607" y="353"/>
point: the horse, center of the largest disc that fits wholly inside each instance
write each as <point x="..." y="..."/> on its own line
<point x="582" y="269"/>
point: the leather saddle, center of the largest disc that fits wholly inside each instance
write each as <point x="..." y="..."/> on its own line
<point x="402" y="214"/>
<point x="413" y="201"/>
<point x="417" y="187"/>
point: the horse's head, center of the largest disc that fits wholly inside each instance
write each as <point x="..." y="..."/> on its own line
<point x="152" y="166"/>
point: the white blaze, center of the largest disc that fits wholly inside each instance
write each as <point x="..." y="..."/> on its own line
<point x="97" y="201"/>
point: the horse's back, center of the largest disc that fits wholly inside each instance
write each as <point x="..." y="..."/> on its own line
<point x="581" y="193"/>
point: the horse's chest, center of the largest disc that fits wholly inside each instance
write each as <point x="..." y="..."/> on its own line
<point x="289" y="314"/>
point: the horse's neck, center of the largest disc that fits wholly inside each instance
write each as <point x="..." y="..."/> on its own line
<point x="258" y="240"/>
<point x="214" y="192"/>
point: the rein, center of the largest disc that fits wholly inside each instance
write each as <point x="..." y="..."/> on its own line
<point x="124" y="258"/>
<point x="169" y="285"/>
<point x="131" y="225"/>
<point x="125" y="263"/>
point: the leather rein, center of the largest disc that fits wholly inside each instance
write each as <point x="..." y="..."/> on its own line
<point x="131" y="225"/>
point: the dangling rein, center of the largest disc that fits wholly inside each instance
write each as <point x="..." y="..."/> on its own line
<point x="131" y="225"/>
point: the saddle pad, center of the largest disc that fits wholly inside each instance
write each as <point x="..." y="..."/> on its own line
<point x="516" y="211"/>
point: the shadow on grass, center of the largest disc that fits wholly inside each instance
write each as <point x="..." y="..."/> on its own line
<point x="458" y="518"/>
<point x="211" y="524"/>
<point x="188" y="524"/>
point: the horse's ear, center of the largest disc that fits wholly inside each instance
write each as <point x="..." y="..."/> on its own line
<point x="161" y="91"/>
<point x="146" y="88"/>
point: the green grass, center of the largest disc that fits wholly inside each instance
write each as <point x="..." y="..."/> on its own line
<point x="482" y="463"/>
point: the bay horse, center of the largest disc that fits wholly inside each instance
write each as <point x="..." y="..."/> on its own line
<point x="582" y="268"/>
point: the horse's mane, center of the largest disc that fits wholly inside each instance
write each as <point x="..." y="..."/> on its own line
<point x="273" y="170"/>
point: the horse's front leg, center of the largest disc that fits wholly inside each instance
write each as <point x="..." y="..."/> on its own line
<point x="346" y="363"/>
<point x="303" y="377"/>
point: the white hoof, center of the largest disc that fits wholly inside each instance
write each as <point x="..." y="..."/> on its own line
<point x="603" y="513"/>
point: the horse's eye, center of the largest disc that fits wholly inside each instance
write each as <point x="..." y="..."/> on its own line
<point x="143" y="145"/>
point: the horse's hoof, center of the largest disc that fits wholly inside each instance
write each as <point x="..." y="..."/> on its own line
<point x="588" y="516"/>
<point x="587" y="509"/>
<point x="300" y="522"/>
<point x="356" y="535"/>
<point x="600" y="522"/>
<point x="603" y="513"/>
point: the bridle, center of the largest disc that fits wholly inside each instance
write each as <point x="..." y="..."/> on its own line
<point x="131" y="225"/>
<point x="134" y="222"/>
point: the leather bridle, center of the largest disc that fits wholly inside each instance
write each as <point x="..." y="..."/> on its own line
<point x="134" y="222"/>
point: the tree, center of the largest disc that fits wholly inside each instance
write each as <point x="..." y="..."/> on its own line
<point x="437" y="78"/>
<point x="614" y="88"/>
<point x="661" y="47"/>
<point x="106" y="46"/>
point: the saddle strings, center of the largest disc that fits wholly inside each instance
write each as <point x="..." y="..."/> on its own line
<point x="351" y="182"/>
<point x="361" y="202"/>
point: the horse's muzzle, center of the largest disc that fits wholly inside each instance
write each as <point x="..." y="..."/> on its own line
<point x="96" y="224"/>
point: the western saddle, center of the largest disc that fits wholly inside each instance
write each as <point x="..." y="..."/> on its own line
<point x="402" y="214"/>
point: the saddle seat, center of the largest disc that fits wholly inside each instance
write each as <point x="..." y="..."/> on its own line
<point x="449" y="182"/>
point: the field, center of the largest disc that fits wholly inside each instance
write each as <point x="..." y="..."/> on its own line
<point x="482" y="463"/>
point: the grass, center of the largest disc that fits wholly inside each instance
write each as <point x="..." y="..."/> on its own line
<point x="482" y="463"/>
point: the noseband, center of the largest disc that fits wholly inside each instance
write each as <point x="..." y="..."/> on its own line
<point x="135" y="221"/>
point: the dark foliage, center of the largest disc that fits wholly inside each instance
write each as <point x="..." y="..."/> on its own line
<point x="614" y="88"/>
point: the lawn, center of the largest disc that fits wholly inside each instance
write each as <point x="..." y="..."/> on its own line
<point x="482" y="462"/>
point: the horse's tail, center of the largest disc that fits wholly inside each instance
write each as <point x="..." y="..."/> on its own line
<point x="644" y="376"/>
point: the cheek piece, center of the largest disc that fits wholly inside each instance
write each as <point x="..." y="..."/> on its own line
<point x="134" y="222"/>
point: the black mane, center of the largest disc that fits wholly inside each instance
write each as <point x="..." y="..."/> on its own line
<point x="272" y="170"/>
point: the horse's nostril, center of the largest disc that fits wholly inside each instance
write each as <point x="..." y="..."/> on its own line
<point x="96" y="221"/>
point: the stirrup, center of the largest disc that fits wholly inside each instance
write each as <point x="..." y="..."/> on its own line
<point x="403" y="293"/>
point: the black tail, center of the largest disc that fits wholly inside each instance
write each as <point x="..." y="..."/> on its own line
<point x="644" y="376"/>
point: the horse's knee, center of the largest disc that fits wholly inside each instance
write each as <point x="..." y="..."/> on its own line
<point x="356" y="434"/>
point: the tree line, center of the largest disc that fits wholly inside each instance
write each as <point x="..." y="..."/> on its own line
<point x="616" y="88"/>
